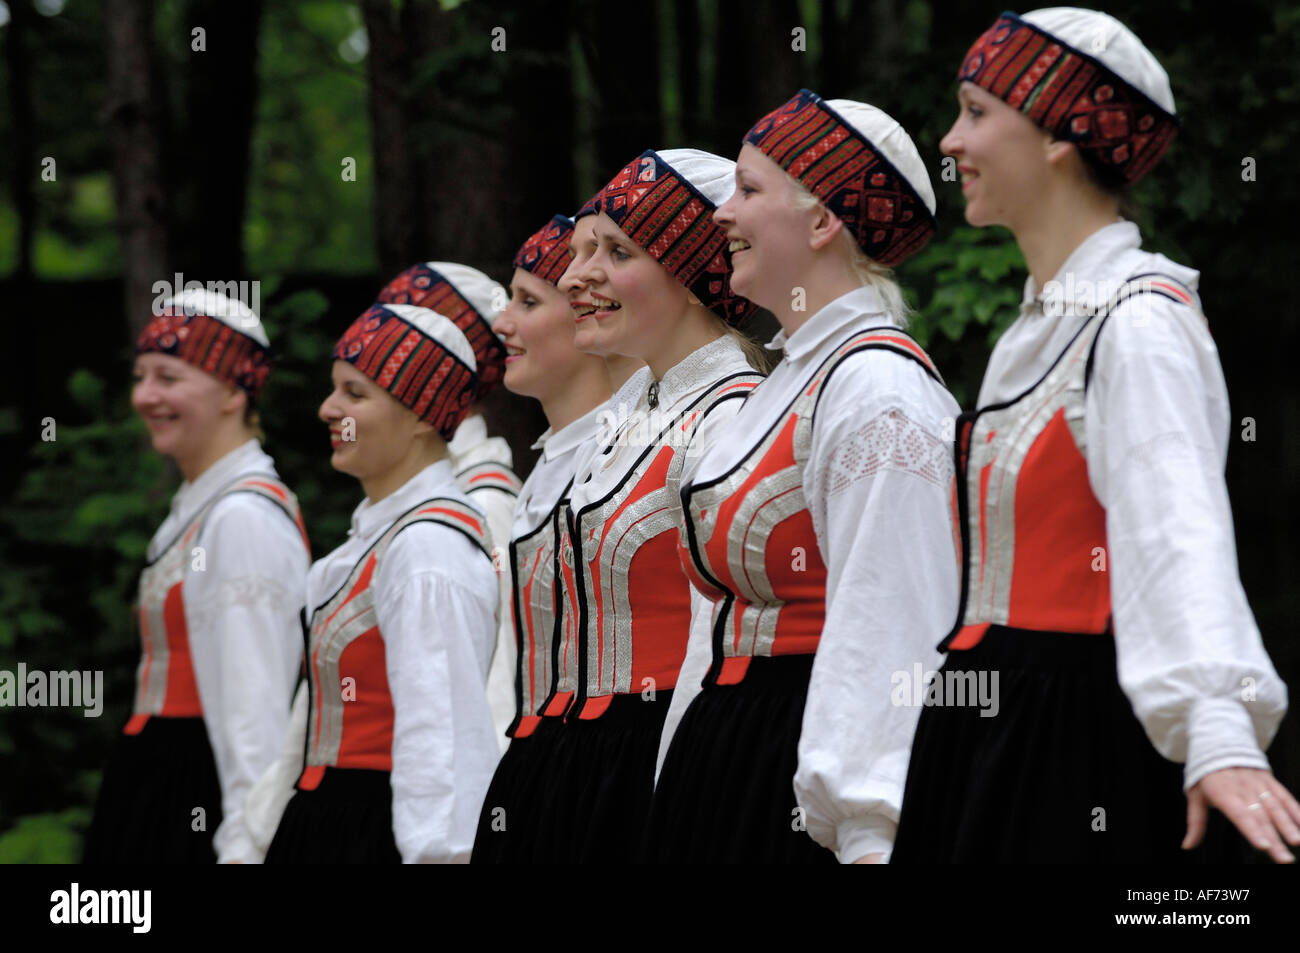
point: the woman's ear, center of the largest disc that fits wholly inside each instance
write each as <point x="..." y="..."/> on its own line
<point x="823" y="228"/>
<point x="1058" y="151"/>
<point x="235" y="401"/>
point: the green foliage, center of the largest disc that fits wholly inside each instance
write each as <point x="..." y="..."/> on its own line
<point x="311" y="113"/>
<point x="973" y="276"/>
<point x="72" y="547"/>
<point x="53" y="838"/>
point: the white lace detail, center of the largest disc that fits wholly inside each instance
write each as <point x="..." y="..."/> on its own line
<point x="708" y="363"/>
<point x="241" y="592"/>
<point x="889" y="441"/>
<point x="1171" y="448"/>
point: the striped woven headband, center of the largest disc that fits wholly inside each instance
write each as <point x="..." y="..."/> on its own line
<point x="819" y="148"/>
<point x="672" y="220"/>
<point x="419" y="371"/>
<point x="1072" y="95"/>
<point x="425" y="287"/>
<point x="546" y="252"/>
<point x="211" y="345"/>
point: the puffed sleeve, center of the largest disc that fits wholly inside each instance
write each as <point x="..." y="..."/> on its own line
<point x="271" y="794"/>
<point x="435" y="600"/>
<point x="1189" y="653"/>
<point x="879" y="485"/>
<point x="246" y="645"/>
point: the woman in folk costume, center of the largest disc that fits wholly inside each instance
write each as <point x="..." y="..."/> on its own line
<point x="542" y="363"/>
<point x="819" y="525"/>
<point x="219" y="599"/>
<point x="1099" y="580"/>
<point x="654" y="287"/>
<point x="484" y="465"/>
<point x="399" y="743"/>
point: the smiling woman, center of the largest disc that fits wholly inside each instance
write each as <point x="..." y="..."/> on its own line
<point x="817" y="526"/>
<point x="218" y="600"/>
<point x="538" y="330"/>
<point x="398" y="742"/>
<point x="1098" y="566"/>
<point x="649" y="280"/>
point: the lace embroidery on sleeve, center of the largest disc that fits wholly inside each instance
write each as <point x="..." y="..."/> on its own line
<point x="889" y="441"/>
<point x="243" y="592"/>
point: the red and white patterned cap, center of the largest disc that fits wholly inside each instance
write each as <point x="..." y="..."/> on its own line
<point x="418" y="356"/>
<point x="219" y="335"/>
<point x="1085" y="78"/>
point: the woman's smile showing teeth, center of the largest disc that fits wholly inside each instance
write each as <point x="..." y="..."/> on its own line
<point x="604" y="307"/>
<point x="738" y="244"/>
<point x="513" y="353"/>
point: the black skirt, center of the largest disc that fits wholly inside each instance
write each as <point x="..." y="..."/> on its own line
<point x="726" y="791"/>
<point x="596" y="788"/>
<point x="160" y="799"/>
<point x="511" y="822"/>
<point x="1062" y="773"/>
<point x="346" y="819"/>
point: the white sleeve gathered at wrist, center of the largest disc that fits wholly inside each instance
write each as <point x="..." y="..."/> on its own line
<point x="246" y="645"/>
<point x="1189" y="653"/>
<point x="879" y="486"/>
<point x="435" y="597"/>
<point x="867" y="834"/>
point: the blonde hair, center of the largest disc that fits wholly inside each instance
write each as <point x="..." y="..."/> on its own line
<point x="253" y="421"/>
<point x="866" y="270"/>
<point x="756" y="356"/>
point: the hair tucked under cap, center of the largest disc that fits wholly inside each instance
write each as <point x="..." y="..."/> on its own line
<point x="862" y="165"/>
<point x="418" y="356"/>
<point x="469" y="298"/>
<point x="1085" y="78"/>
<point x="546" y="252"/>
<point x="216" y="334"/>
<point x="664" y="201"/>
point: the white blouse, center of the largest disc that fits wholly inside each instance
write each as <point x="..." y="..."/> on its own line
<point x="628" y="424"/>
<point x="538" y="498"/>
<point x="246" y="642"/>
<point x="878" y="484"/>
<point x="1157" y="426"/>
<point x="469" y="446"/>
<point x="436" y="600"/>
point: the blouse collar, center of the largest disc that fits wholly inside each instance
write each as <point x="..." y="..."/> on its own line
<point x="830" y="321"/>
<point x="437" y="479"/>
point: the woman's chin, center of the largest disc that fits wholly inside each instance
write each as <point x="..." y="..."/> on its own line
<point x="340" y="459"/>
<point x="516" y="380"/>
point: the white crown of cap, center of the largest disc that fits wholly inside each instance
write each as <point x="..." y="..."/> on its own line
<point x="438" y="327"/>
<point x="231" y="313"/>
<point x="891" y="140"/>
<point x="488" y="298"/>
<point x="714" y="176"/>
<point x="1111" y="43"/>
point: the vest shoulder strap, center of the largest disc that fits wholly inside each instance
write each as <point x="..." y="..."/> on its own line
<point x="443" y="510"/>
<point x="1145" y="283"/>
<point x="489" y="475"/>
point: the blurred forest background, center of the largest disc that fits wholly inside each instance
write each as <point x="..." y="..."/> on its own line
<point x="130" y="153"/>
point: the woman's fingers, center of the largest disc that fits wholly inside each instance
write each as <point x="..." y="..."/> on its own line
<point x="1256" y="803"/>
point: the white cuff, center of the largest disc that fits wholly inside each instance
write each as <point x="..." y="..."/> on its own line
<point x="866" y="834"/>
<point x="1220" y="734"/>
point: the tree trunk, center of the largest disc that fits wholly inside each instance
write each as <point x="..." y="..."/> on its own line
<point x="398" y="232"/>
<point x="133" y="118"/>
<point x="22" y="147"/>
<point x="208" y="157"/>
<point x="621" y="44"/>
